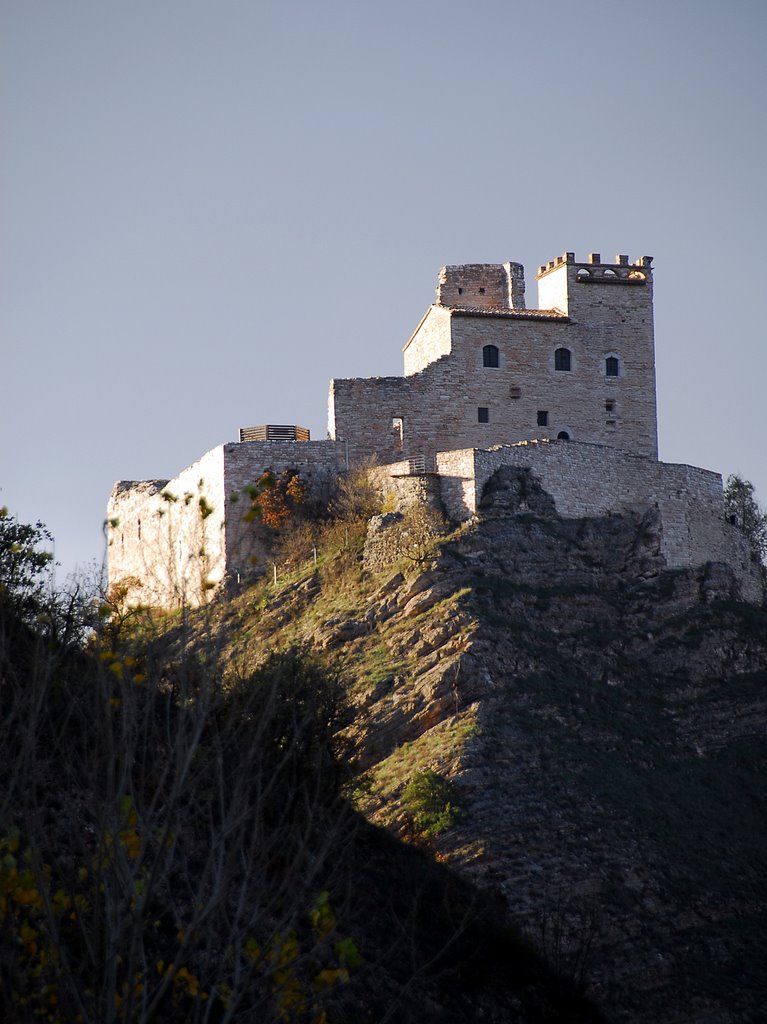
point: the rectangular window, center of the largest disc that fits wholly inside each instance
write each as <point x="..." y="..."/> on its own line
<point x="483" y="414"/>
<point x="609" y="405"/>
<point x="398" y="426"/>
<point x="543" y="418"/>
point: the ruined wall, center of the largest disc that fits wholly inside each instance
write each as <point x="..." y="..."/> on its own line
<point x="429" y="342"/>
<point x="179" y="540"/>
<point x="594" y="480"/>
<point x="363" y="410"/>
<point x="318" y="463"/>
<point x="483" y="285"/>
<point x="401" y="487"/>
<point x="167" y="538"/>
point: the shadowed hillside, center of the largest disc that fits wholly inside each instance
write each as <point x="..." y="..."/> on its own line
<point x="176" y="845"/>
<point x="598" y="721"/>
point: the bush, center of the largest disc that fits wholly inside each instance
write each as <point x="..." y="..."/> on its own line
<point x="743" y="511"/>
<point x="24" y="565"/>
<point x="429" y="802"/>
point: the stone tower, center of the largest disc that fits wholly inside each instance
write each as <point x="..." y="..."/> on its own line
<point x="482" y="369"/>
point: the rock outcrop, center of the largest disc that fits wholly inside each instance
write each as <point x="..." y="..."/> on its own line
<point x="602" y="720"/>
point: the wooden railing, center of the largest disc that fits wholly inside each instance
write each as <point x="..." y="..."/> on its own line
<point x="274" y="432"/>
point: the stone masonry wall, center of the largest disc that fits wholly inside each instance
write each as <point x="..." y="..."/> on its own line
<point x="594" y="480"/>
<point x="176" y="541"/>
<point x="318" y="463"/>
<point x="439" y="404"/>
<point x="449" y="399"/>
<point x="486" y="285"/>
<point x="429" y="342"/>
<point x="166" y="538"/>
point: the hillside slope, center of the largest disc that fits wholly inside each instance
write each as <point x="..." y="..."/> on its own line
<point x="602" y="725"/>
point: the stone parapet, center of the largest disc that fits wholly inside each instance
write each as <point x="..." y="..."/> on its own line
<point x="595" y="480"/>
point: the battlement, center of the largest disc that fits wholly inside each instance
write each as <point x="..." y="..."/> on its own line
<point x="594" y="270"/>
<point x="560" y="279"/>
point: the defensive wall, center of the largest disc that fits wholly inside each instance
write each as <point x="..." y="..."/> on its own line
<point x="171" y="542"/>
<point x="595" y="480"/>
<point x="166" y="538"/>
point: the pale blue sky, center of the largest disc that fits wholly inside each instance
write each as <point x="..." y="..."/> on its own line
<point x="207" y="209"/>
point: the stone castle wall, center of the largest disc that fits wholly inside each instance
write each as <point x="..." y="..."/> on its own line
<point x="176" y="541"/>
<point x="318" y="462"/>
<point x="167" y="538"/>
<point x="454" y="395"/>
<point x="429" y="342"/>
<point x="594" y="480"/>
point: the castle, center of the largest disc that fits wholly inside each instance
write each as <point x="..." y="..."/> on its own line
<point x="567" y="390"/>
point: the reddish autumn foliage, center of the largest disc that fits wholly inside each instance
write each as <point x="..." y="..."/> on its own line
<point x="274" y="499"/>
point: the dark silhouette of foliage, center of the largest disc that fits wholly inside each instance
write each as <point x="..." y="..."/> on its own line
<point x="743" y="511"/>
<point x="24" y="564"/>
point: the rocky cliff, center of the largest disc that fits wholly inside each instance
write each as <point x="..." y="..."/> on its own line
<point x="600" y="721"/>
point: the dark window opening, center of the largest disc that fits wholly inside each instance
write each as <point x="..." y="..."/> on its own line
<point x="563" y="436"/>
<point x="481" y="291"/>
<point x="490" y="356"/>
<point x="543" y="418"/>
<point x="562" y="359"/>
<point x="460" y="291"/>
<point x="611" y="366"/>
<point x="398" y="426"/>
<point x="609" y="405"/>
<point x="483" y="414"/>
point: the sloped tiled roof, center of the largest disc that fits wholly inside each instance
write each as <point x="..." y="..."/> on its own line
<point x="513" y="314"/>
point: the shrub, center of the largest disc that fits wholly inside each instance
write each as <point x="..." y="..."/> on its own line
<point x="743" y="511"/>
<point x="429" y="802"/>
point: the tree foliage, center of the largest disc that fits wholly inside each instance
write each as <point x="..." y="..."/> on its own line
<point x="275" y="497"/>
<point x="430" y="802"/>
<point x="742" y="509"/>
<point x="25" y="564"/>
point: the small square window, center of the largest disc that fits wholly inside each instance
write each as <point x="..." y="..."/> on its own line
<point x="543" y="418"/>
<point x="609" y="405"/>
<point x="483" y="414"/>
<point x="481" y="291"/>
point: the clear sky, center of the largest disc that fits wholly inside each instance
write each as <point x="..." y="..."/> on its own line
<point x="208" y="209"/>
